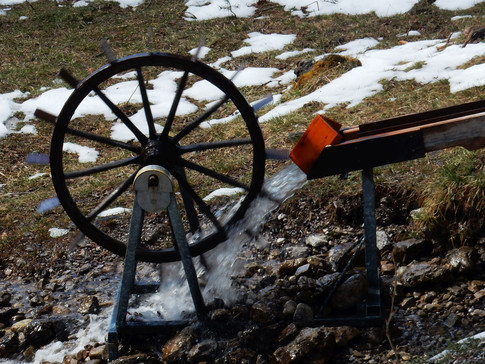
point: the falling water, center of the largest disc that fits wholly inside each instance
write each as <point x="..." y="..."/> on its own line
<point x="173" y="299"/>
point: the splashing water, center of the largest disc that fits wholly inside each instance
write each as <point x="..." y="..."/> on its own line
<point x="173" y="300"/>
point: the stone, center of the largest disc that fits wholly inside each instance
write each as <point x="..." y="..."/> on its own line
<point x="202" y="351"/>
<point x="295" y="252"/>
<point x="303" y="315"/>
<point x="287" y="334"/>
<point x="39" y="333"/>
<point x="289" y="267"/>
<point x="350" y="292"/>
<point x="462" y="259"/>
<point x="5" y="299"/>
<point x="316" y="240"/>
<point x="303" y="270"/>
<point x="325" y="283"/>
<point x="417" y="274"/>
<point x="289" y="308"/>
<point x="382" y="241"/>
<point x="99" y="352"/>
<point x="261" y="312"/>
<point x="89" y="305"/>
<point x="311" y="345"/>
<point x="406" y="251"/>
<point x="6" y="314"/>
<point x="137" y="359"/>
<point x="344" y="334"/>
<point x="20" y="325"/>
<point x="178" y="346"/>
<point x="9" y="344"/>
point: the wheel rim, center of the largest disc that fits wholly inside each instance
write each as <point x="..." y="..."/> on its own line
<point x="165" y="130"/>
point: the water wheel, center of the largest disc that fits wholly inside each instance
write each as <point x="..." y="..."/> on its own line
<point x="142" y="110"/>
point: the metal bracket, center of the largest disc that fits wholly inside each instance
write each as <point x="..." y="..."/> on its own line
<point x="163" y="197"/>
<point x="370" y="313"/>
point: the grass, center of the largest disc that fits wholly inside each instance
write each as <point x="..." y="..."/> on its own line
<point x="33" y="50"/>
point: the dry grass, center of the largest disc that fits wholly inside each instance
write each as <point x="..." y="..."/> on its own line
<point x="33" y="50"/>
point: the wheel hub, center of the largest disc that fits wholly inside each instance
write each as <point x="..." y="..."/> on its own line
<point x="160" y="152"/>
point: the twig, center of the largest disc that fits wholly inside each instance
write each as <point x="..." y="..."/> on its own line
<point x="391" y="312"/>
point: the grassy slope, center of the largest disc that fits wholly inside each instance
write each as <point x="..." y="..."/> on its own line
<point x="33" y="50"/>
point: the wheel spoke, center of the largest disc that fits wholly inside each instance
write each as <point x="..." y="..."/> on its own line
<point x="146" y="103"/>
<point x="122" y="116"/>
<point x="175" y="104"/>
<point x="195" y="123"/>
<point x="202" y="205"/>
<point x="214" y="145"/>
<point x="44" y="115"/>
<point x="189" y="204"/>
<point x="102" y="167"/>
<point x="111" y="197"/>
<point x="213" y="174"/>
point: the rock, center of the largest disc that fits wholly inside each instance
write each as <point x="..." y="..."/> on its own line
<point x="303" y="315"/>
<point x="9" y="344"/>
<point x="99" y="352"/>
<point x="6" y="315"/>
<point x="312" y="345"/>
<point x="5" y="299"/>
<point x="261" y="312"/>
<point x="220" y="314"/>
<point x="202" y="351"/>
<point x="350" y="292"/>
<point x="238" y="355"/>
<point x="462" y="259"/>
<point x="287" y="334"/>
<point x="316" y="240"/>
<point x="303" y="270"/>
<point x="418" y="274"/>
<point x="325" y="283"/>
<point x="289" y="308"/>
<point x="289" y="267"/>
<point x="176" y="349"/>
<point x="20" y="325"/>
<point x="406" y="251"/>
<point x="295" y="252"/>
<point x="137" y="359"/>
<point x="382" y="241"/>
<point x="39" y="333"/>
<point x="89" y="305"/>
<point x="344" y="334"/>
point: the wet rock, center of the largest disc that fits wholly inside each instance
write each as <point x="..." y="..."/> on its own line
<point x="462" y="259"/>
<point x="262" y="312"/>
<point x="287" y="334"/>
<point x="203" y="351"/>
<point x="325" y="283"/>
<point x="316" y="240"/>
<point x="238" y="355"/>
<point x="39" y="333"/>
<point x="312" y="345"/>
<point x="289" y="308"/>
<point x="36" y="300"/>
<point x="406" y="251"/>
<point x="303" y="270"/>
<point x="20" y="325"/>
<point x="9" y="344"/>
<point x="6" y="315"/>
<point x="89" y="305"/>
<point x="137" y="359"/>
<point x="176" y="349"/>
<point x="5" y="299"/>
<point x="418" y="274"/>
<point x="220" y="314"/>
<point x="29" y="353"/>
<point x="344" y="334"/>
<point x="289" y="267"/>
<point x="295" y="252"/>
<point x="99" y="352"/>
<point x="303" y="315"/>
<point x="349" y="293"/>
